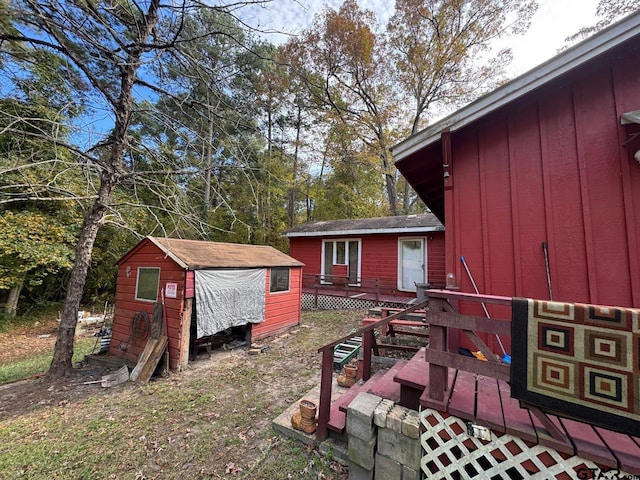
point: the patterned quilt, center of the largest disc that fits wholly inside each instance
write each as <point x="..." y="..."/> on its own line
<point x="578" y="361"/>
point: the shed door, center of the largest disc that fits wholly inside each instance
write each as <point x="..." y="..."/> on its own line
<point x="412" y="263"/>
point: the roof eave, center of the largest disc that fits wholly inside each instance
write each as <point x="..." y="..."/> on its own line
<point x="538" y="76"/>
<point x="333" y="233"/>
<point x="170" y="254"/>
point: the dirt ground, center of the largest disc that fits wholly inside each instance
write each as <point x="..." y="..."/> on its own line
<point x="273" y="379"/>
<point x="26" y="395"/>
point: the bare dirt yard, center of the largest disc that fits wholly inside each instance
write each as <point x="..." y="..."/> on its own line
<point x="212" y="420"/>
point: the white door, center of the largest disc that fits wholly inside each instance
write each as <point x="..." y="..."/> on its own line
<point x="413" y="262"/>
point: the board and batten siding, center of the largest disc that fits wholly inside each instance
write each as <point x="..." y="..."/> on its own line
<point x="551" y="167"/>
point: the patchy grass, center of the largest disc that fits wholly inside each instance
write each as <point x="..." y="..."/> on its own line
<point x="38" y="362"/>
<point x="211" y="421"/>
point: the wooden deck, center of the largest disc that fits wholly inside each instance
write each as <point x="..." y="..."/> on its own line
<point x="487" y="401"/>
<point x="354" y="294"/>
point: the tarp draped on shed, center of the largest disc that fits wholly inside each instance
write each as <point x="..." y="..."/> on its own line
<point x="229" y="298"/>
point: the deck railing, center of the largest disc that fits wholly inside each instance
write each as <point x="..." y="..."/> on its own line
<point x="348" y="285"/>
<point x="442" y="319"/>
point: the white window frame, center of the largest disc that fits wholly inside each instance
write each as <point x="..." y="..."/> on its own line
<point x="140" y="299"/>
<point x="425" y="275"/>
<point x="334" y="241"/>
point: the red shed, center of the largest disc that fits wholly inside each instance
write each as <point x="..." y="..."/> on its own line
<point x="393" y="253"/>
<point x="207" y="287"/>
<point x="549" y="159"/>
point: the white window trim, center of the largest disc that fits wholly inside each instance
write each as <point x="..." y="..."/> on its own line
<point x="333" y="260"/>
<point x="138" y="280"/>
<point x="426" y="259"/>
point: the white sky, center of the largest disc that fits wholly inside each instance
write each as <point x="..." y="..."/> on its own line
<point x="553" y="22"/>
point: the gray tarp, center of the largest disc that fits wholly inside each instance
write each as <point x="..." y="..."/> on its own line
<point x="229" y="298"/>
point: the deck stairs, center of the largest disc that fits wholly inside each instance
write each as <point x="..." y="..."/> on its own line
<point x="391" y="383"/>
<point x="487" y="402"/>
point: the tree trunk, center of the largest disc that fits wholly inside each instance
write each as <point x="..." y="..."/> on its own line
<point x="11" y="307"/>
<point x="208" y="158"/>
<point x="292" y="192"/>
<point x="390" y="182"/>
<point x="61" y="364"/>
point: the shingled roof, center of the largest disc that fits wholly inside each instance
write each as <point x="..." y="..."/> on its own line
<point x="196" y="254"/>
<point x="365" y="226"/>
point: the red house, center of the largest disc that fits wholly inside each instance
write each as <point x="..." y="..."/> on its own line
<point x="543" y="171"/>
<point x="384" y="256"/>
<point x="206" y="287"/>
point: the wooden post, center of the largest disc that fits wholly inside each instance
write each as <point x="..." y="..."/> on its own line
<point x="316" y="285"/>
<point x="368" y="338"/>
<point x="185" y="334"/>
<point x="438" y="375"/>
<point x="326" y="380"/>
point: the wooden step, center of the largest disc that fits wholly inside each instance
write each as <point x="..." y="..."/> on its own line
<point x="338" y="415"/>
<point x="387" y="387"/>
<point x="413" y="379"/>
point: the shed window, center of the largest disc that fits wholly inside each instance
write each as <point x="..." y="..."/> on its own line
<point x="279" y="280"/>
<point x="147" y="284"/>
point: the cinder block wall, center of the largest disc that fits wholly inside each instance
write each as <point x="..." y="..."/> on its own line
<point x="384" y="440"/>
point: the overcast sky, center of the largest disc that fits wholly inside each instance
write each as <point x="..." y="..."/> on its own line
<point x="553" y="22"/>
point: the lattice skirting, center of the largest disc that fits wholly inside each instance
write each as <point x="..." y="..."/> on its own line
<point x="329" y="302"/>
<point x="450" y="453"/>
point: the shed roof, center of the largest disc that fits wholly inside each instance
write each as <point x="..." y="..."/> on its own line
<point x="198" y="254"/>
<point x="365" y="226"/>
<point x="419" y="157"/>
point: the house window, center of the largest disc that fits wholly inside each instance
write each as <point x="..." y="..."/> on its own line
<point x="147" y="284"/>
<point x="344" y="255"/>
<point x="279" y="280"/>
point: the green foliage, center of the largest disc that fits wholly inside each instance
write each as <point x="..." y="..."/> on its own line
<point x="32" y="247"/>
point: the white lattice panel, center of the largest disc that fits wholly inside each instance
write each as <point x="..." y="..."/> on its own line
<point x="450" y="453"/>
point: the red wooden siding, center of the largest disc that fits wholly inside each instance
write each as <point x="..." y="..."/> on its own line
<point x="551" y="167"/>
<point x="122" y="346"/>
<point x="379" y="256"/>
<point x="307" y="250"/>
<point x="282" y="309"/>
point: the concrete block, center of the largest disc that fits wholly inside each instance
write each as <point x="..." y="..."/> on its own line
<point x="404" y="450"/>
<point x="356" y="472"/>
<point x="334" y="449"/>
<point x="360" y="416"/>
<point x="410" y="473"/>
<point x="380" y="414"/>
<point x="362" y="452"/>
<point x="387" y="469"/>
<point x="411" y="424"/>
<point x="395" y="418"/>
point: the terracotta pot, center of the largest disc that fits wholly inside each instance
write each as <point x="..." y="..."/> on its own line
<point x="307" y="409"/>
<point x="351" y="370"/>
